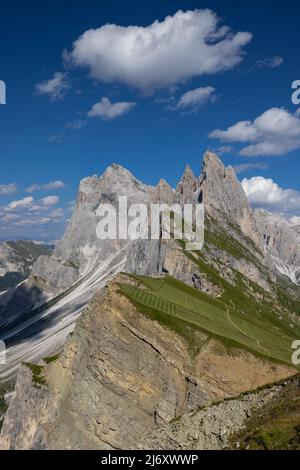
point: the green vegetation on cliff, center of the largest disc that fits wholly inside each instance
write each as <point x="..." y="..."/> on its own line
<point x="275" y="426"/>
<point x="235" y="317"/>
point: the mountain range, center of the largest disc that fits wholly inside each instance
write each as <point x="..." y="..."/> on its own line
<point x="17" y="259"/>
<point x="118" y="344"/>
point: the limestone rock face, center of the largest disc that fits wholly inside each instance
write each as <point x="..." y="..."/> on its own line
<point x="211" y="428"/>
<point x="16" y="260"/>
<point x="187" y="190"/>
<point x="224" y="197"/>
<point x="163" y="193"/>
<point x="120" y="376"/>
<point x="54" y="273"/>
<point x="83" y="263"/>
<point x="281" y="241"/>
<point x="80" y="248"/>
<point x="179" y="266"/>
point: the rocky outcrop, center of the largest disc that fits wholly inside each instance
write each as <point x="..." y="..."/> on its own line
<point x="17" y="259"/>
<point x="120" y="376"/>
<point x="178" y="265"/>
<point x="163" y="193"/>
<point x="281" y="240"/>
<point x="224" y="198"/>
<point x="80" y="248"/>
<point x="187" y="190"/>
<point x="82" y="263"/>
<point x="53" y="273"/>
<point x="210" y="428"/>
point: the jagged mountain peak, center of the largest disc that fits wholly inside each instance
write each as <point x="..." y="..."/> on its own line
<point x="214" y="169"/>
<point x="117" y="181"/>
<point x="83" y="263"/>
<point x="163" y="183"/>
<point x="163" y="193"/>
<point x="188" y="173"/>
<point x="187" y="186"/>
<point x="224" y="197"/>
<point x="211" y="160"/>
<point x="112" y="173"/>
<point x="117" y="170"/>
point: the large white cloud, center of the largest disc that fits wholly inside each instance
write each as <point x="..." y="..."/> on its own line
<point x="275" y="132"/>
<point x="180" y="47"/>
<point x="55" y="87"/>
<point x="265" y="193"/>
<point x="107" y="110"/>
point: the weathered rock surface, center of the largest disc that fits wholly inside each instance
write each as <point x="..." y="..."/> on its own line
<point x="281" y="241"/>
<point x="122" y="375"/>
<point x="80" y="249"/>
<point x="179" y="266"/>
<point x="210" y="428"/>
<point x="81" y="259"/>
<point x="224" y="197"/>
<point x="19" y="256"/>
<point x="187" y="190"/>
<point x="16" y="261"/>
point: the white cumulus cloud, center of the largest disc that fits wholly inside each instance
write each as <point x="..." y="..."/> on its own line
<point x="224" y="149"/>
<point x="182" y="46"/>
<point x="20" y="204"/>
<point x="195" y="98"/>
<point x="243" y="167"/>
<point x="108" y="110"/>
<point x="275" y="132"/>
<point x="50" y="200"/>
<point x="7" y="189"/>
<point x="265" y="193"/>
<point x="46" y="187"/>
<point x="55" y="87"/>
<point x="269" y="62"/>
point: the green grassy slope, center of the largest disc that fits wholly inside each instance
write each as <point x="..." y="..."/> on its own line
<point x="275" y="426"/>
<point x="234" y="317"/>
<point x="245" y="315"/>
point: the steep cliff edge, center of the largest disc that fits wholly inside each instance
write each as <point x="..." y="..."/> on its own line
<point x="181" y="330"/>
<point x="123" y="373"/>
<point x="225" y="199"/>
<point x="61" y="285"/>
<point x="225" y="425"/>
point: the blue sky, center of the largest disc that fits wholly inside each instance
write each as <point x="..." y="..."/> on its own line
<point x="74" y="109"/>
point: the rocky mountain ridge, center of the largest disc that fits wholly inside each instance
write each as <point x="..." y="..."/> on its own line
<point x="17" y="259"/>
<point x="226" y="328"/>
<point x="281" y="242"/>
<point x="82" y="263"/>
<point x="122" y="375"/>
